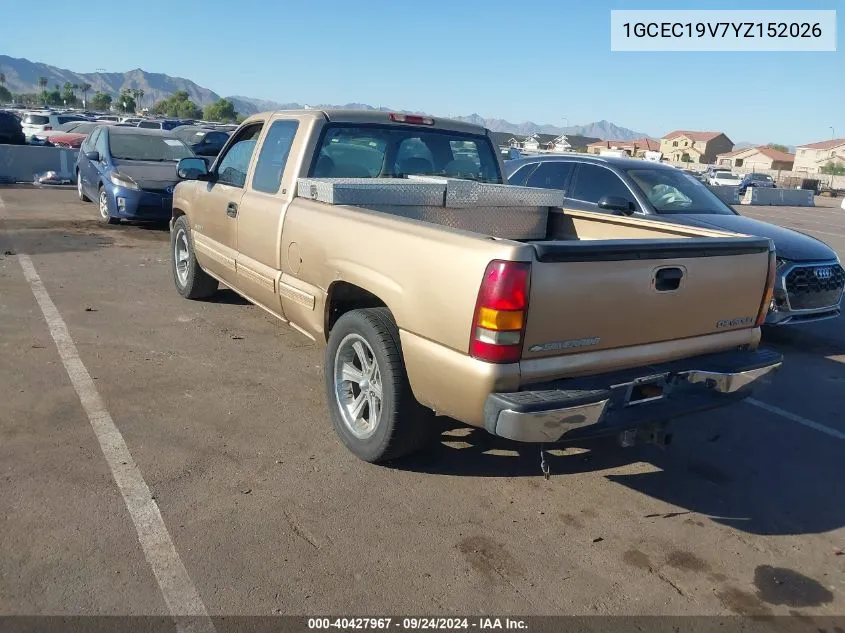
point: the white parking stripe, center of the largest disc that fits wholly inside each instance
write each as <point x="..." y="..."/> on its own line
<point x="178" y="590"/>
<point x="797" y="418"/>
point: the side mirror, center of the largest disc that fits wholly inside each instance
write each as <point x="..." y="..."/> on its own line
<point x="616" y="203"/>
<point x="94" y="156"/>
<point x="192" y="169"/>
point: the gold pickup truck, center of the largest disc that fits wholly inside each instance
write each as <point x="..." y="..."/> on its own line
<point x="436" y="289"/>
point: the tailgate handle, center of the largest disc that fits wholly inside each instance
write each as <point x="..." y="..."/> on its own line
<point x="667" y="279"/>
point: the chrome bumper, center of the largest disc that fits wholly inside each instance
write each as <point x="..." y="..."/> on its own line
<point x="608" y="410"/>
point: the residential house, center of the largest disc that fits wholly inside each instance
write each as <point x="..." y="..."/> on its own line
<point x="686" y="146"/>
<point x="635" y="148"/>
<point x="543" y="142"/>
<point x="757" y="158"/>
<point x="812" y="157"/>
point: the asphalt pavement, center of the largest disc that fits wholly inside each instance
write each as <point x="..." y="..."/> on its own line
<point x="254" y="507"/>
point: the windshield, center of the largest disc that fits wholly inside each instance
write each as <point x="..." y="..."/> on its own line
<point x="759" y="177"/>
<point x="67" y="127"/>
<point x="725" y="175"/>
<point x="147" y="147"/>
<point x="36" y="119"/>
<point x="672" y="191"/>
<point x="370" y="151"/>
<point x="85" y="128"/>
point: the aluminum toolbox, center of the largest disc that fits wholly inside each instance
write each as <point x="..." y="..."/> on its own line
<point x="468" y="193"/>
<point x="509" y="223"/>
<point x="366" y="191"/>
<point x="509" y="212"/>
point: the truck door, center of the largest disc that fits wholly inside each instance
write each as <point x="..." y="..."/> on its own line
<point x="260" y="215"/>
<point x="216" y="222"/>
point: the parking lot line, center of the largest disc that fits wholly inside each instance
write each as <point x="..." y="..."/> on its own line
<point x="178" y="590"/>
<point x="796" y="418"/>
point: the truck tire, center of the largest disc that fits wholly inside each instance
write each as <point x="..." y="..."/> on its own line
<point x="372" y="407"/>
<point x="192" y="282"/>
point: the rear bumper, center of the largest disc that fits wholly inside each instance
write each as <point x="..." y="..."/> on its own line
<point x="578" y="408"/>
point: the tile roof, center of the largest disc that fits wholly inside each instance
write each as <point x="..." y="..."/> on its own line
<point x="836" y="142"/>
<point x="692" y="135"/>
<point x="774" y="154"/>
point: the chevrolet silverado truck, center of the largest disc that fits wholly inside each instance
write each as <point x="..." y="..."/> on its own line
<point x="438" y="290"/>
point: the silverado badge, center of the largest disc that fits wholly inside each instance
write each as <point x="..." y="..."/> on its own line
<point x="734" y="322"/>
<point x="556" y="345"/>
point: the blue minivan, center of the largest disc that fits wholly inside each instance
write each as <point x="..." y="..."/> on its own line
<point x="129" y="172"/>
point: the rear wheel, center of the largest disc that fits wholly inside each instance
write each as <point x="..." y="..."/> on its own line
<point x="192" y="282"/>
<point x="79" y="190"/>
<point x="372" y="407"/>
<point x="104" y="207"/>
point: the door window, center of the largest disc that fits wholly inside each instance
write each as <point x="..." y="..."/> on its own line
<point x="593" y="183"/>
<point x="551" y="175"/>
<point x="232" y="168"/>
<point x="273" y="156"/>
<point x="91" y="140"/>
<point x="101" y="145"/>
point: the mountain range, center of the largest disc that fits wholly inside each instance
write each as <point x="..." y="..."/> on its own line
<point x="22" y="77"/>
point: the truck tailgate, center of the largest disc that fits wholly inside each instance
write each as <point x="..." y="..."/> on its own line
<point x="593" y="295"/>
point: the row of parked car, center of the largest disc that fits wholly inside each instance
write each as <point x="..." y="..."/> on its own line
<point x="70" y="128"/>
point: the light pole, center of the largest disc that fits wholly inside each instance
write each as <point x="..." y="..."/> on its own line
<point x="832" y="132"/>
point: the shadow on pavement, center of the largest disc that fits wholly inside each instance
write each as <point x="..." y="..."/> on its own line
<point x="227" y="297"/>
<point x="742" y="466"/>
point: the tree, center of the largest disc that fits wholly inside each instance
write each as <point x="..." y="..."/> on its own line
<point x="85" y="88"/>
<point x="833" y="169"/>
<point x="101" y="101"/>
<point x="67" y="94"/>
<point x="3" y="80"/>
<point x="177" y="105"/>
<point x="141" y="97"/>
<point x="779" y="147"/>
<point x="5" y="95"/>
<point x="223" y="110"/>
<point x="42" y="83"/>
<point x="126" y="101"/>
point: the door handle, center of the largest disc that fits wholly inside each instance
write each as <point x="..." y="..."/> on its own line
<point x="668" y="279"/>
<point x="232" y="210"/>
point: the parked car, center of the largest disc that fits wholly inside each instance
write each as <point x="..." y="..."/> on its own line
<point x="724" y="179"/>
<point x="129" y="172"/>
<point x="810" y="278"/>
<point x="132" y="120"/>
<point x="108" y="118"/>
<point x="756" y="180"/>
<point x="11" y="132"/>
<point x="160" y="124"/>
<point x="73" y="137"/>
<point x="82" y="127"/>
<point x="35" y="123"/>
<point x="421" y="309"/>
<point x="202" y="141"/>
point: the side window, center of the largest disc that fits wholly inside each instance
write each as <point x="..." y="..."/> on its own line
<point x="274" y="154"/>
<point x="91" y="140"/>
<point x="521" y="175"/>
<point x="233" y="165"/>
<point x="551" y="175"/>
<point x="593" y="183"/>
<point x="101" y="145"/>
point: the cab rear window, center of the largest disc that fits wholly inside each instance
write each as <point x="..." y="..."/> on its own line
<point x="381" y="151"/>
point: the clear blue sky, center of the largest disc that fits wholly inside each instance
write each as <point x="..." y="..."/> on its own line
<point x="540" y="61"/>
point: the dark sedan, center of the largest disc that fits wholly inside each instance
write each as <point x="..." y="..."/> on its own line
<point x="755" y="180"/>
<point x="130" y="172"/>
<point x="202" y="141"/>
<point x="810" y="277"/>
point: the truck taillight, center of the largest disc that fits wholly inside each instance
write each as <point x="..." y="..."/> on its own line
<point x="770" y="289"/>
<point x="499" y="321"/>
<point x="413" y="119"/>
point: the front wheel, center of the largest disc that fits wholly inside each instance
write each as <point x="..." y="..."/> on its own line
<point x="192" y="282"/>
<point x="372" y="407"/>
<point x="79" y="191"/>
<point x="104" y="207"/>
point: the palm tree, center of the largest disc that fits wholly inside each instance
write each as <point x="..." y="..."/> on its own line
<point x="74" y="88"/>
<point x="3" y="79"/>
<point x="85" y="88"/>
<point x="42" y="83"/>
<point x="140" y="97"/>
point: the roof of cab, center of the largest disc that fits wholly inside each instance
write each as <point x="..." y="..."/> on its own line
<point x="341" y="115"/>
